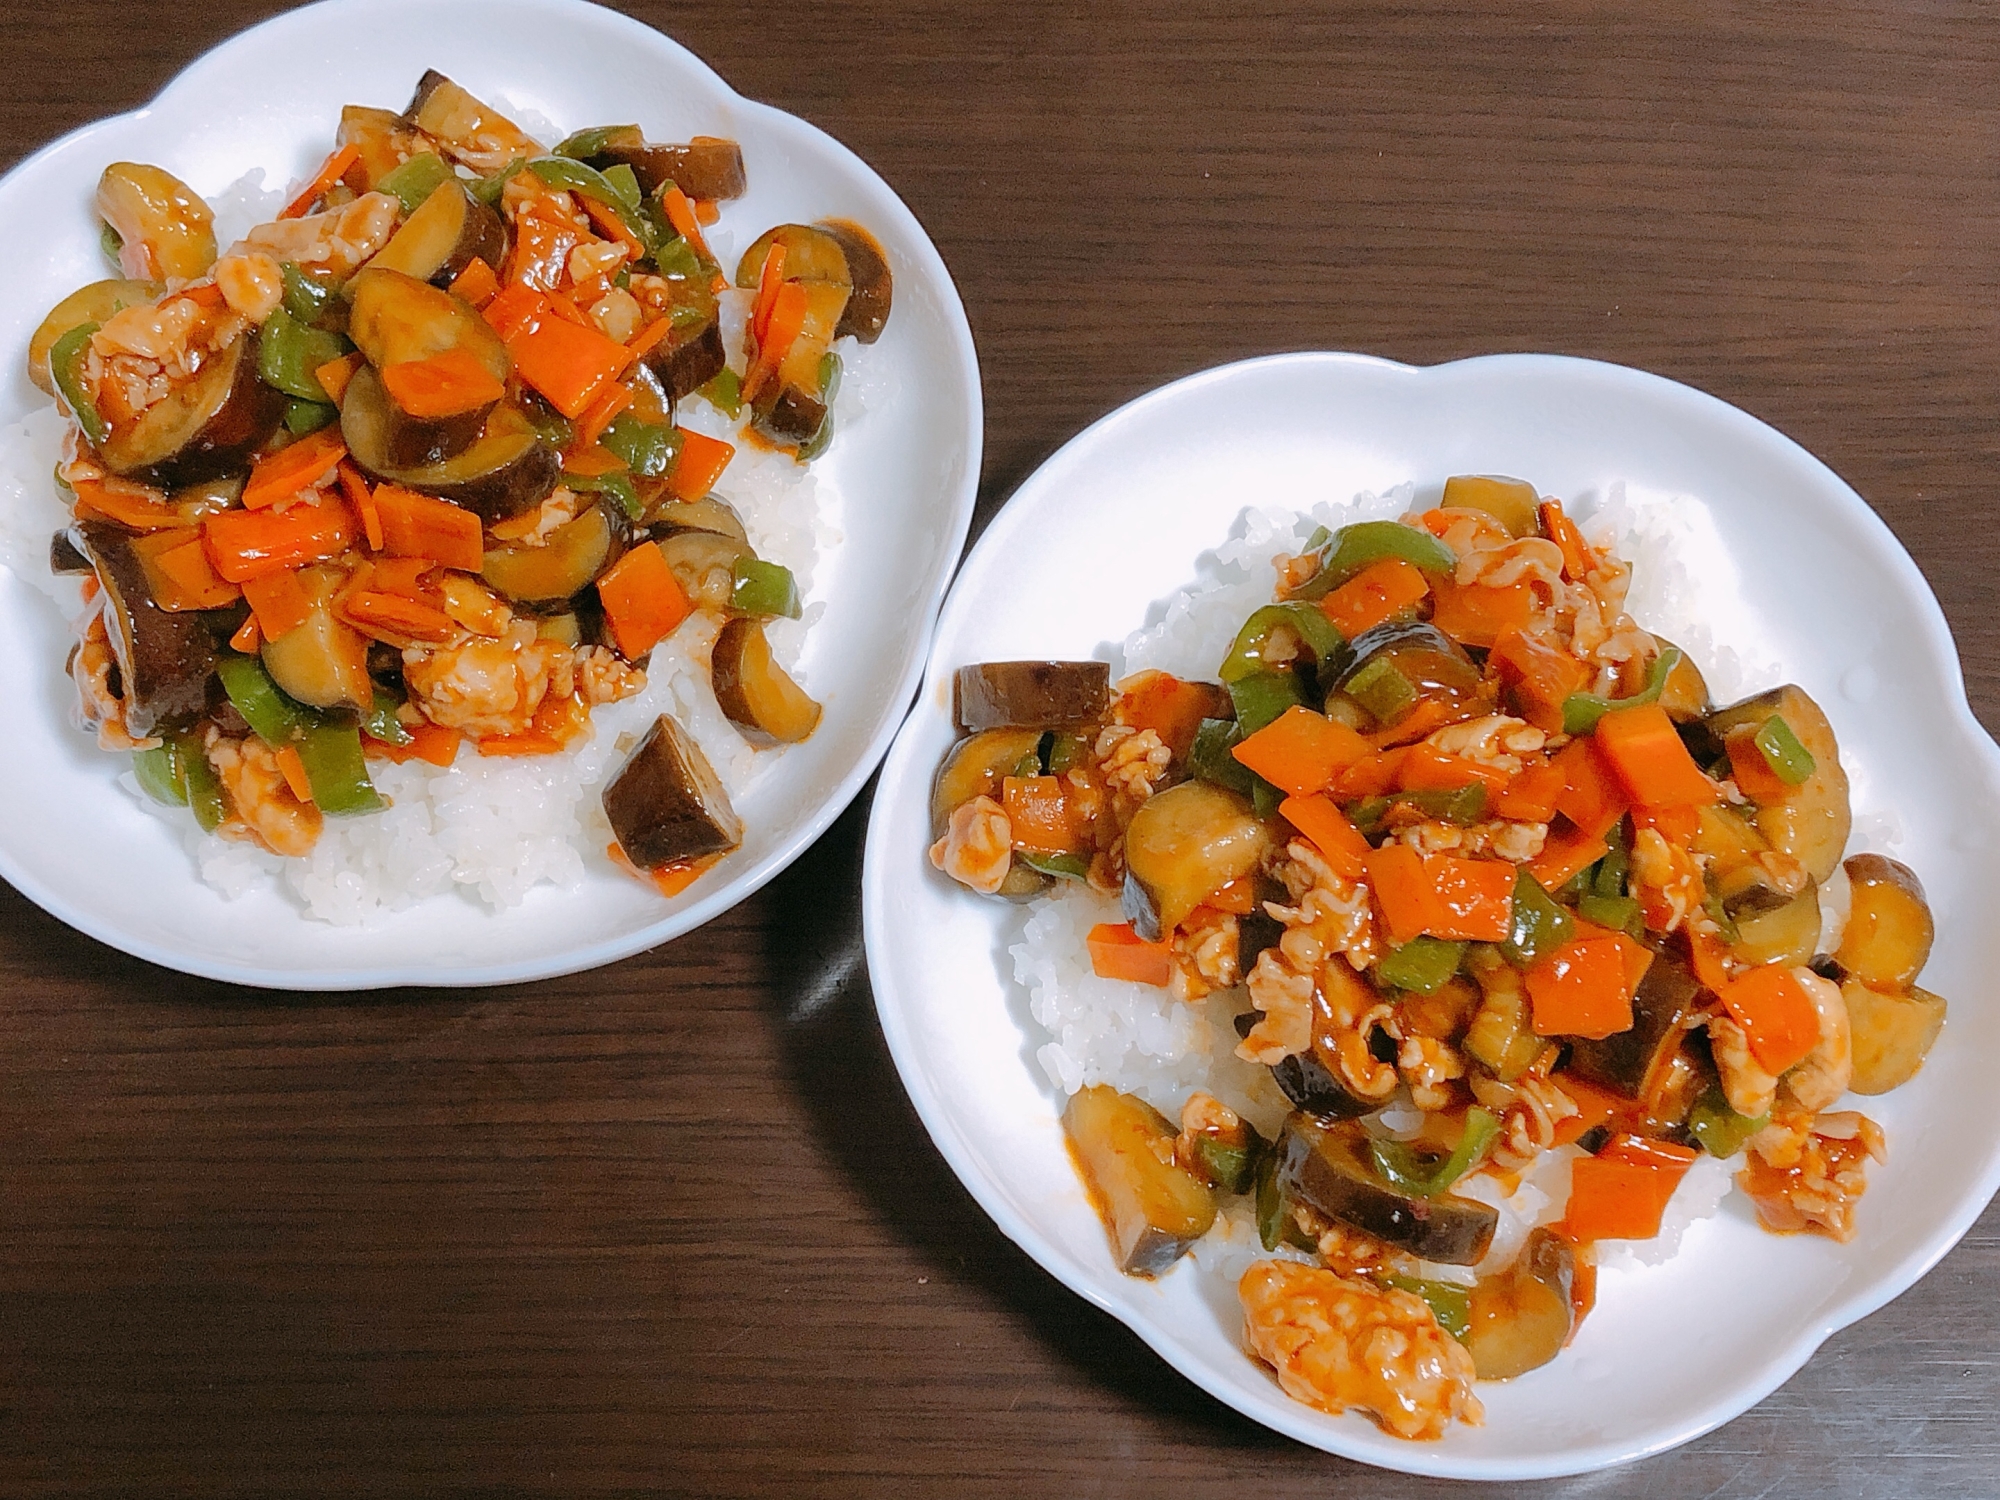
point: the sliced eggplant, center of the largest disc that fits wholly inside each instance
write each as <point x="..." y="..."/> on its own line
<point x="1384" y="673"/>
<point x="382" y="139"/>
<point x="1512" y="502"/>
<point x="509" y="471"/>
<point x="65" y="555"/>
<point x="202" y="430"/>
<point x="1041" y="694"/>
<point x="1887" y="940"/>
<point x="1152" y="1206"/>
<point x="698" y="515"/>
<point x="397" y="318"/>
<point x="975" y="766"/>
<point x="1183" y="845"/>
<point x="166" y="232"/>
<point x="688" y="357"/>
<point x="1330" y="1168"/>
<point x="666" y="803"/>
<point x="1636" y="1062"/>
<point x="1520" y="1319"/>
<point x="89" y="304"/>
<point x="1685" y="693"/>
<point x="756" y="693"/>
<point x="704" y="565"/>
<point x="449" y="230"/>
<point x="1891" y="1034"/>
<point x="563" y="566"/>
<point x="323" y="662"/>
<point x="164" y="660"/>
<point x="1789" y="934"/>
<point x="475" y="133"/>
<point x="708" y="167"/>
<point x="1810" y="821"/>
<point x="870" y="286"/>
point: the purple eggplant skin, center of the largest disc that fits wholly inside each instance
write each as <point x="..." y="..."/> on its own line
<point x="1031" y="694"/>
<point x="165" y="659"/>
<point x="666" y="803"/>
<point x="1327" y="1166"/>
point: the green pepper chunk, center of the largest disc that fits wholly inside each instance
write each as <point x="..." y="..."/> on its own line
<point x="112" y="243"/>
<point x="1064" y="751"/>
<point x="1355" y="547"/>
<point x="205" y="798"/>
<point x="1450" y="1305"/>
<point x="412" y="181"/>
<point x="1416" y="1172"/>
<point x="1721" y="1131"/>
<point x="1276" y="1224"/>
<point x="1422" y="964"/>
<point x="575" y="177"/>
<point x="158" y="773"/>
<point x="66" y="356"/>
<point x="1464" y="806"/>
<point x="1209" y="758"/>
<point x="763" y="588"/>
<point x="817" y="444"/>
<point x="306" y="295"/>
<point x="550" y="425"/>
<point x="617" y="486"/>
<point x="1231" y="1159"/>
<point x="1789" y="761"/>
<point x="830" y="370"/>
<point x="625" y="183"/>
<point x="302" y="417"/>
<point x="1539" y="926"/>
<point x="1619" y="913"/>
<point x="1607" y="876"/>
<point x="328" y="747"/>
<point x="594" y="141"/>
<point x="382" y="723"/>
<point x="1382" y="689"/>
<point x="288" y="353"/>
<point x="1581" y="711"/>
<point x="725" y="393"/>
<point x="1304" y="621"/>
<point x="648" y="448"/>
<point x="1261" y="697"/>
<point x="1062" y="866"/>
<point x="676" y="260"/>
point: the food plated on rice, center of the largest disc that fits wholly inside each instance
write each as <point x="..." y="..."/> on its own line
<point x="1432" y="938"/>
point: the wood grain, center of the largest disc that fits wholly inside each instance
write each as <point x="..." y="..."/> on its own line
<point x="672" y="1227"/>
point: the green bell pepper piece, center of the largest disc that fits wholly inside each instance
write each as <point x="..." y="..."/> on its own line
<point x="1355" y="547"/>
<point x="1451" y="1305"/>
<point x="1539" y="925"/>
<point x="1464" y="806"/>
<point x="158" y="773"/>
<point x="414" y="180"/>
<point x="273" y="717"/>
<point x="1275" y="1223"/>
<point x="289" y="351"/>
<point x="830" y="371"/>
<point x="1413" y="1171"/>
<point x="725" y="393"/>
<point x="1721" y="1131"/>
<point x="648" y="448"/>
<point x="1382" y="689"/>
<point x="1306" y="621"/>
<point x="329" y="747"/>
<point x="1062" y="866"/>
<point x="1422" y="964"/>
<point x="1231" y="1160"/>
<point x="112" y="243"/>
<point x="1063" y="752"/>
<point x="1581" y="711"/>
<point x="306" y="295"/>
<point x="381" y="722"/>
<point x="818" y="443"/>
<point x="1607" y="876"/>
<point x="1261" y="697"/>
<point x="594" y="141"/>
<point x="675" y="259"/>
<point x="573" y="176"/>
<point x="1619" y="913"/>
<point x="199" y="781"/>
<point x="302" y="417"/>
<point x="1789" y="761"/>
<point x="625" y="183"/>
<point x="66" y="369"/>
<point x="617" y="486"/>
<point x="550" y="425"/>
<point x="1209" y="758"/>
<point x="763" y="588"/>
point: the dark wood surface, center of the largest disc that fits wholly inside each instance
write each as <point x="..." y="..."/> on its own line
<point x="672" y="1227"/>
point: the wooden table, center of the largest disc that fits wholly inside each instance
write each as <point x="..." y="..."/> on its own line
<point x="672" y="1227"/>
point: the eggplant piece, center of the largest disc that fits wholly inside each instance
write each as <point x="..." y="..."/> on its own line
<point x="509" y="471"/>
<point x="1183" y="845"/>
<point x="475" y="133"/>
<point x="1812" y="820"/>
<point x="704" y="565"/>
<point x="1520" y="1319"/>
<point x="1685" y="694"/>
<point x="1042" y="694"/>
<point x="698" y="515"/>
<point x="1313" y="1079"/>
<point x="792" y="404"/>
<point x="449" y="230"/>
<point x="708" y="167"/>
<point x="1638" y="1062"/>
<point x="165" y="660"/>
<point x="1889" y="930"/>
<point x="87" y="304"/>
<point x="323" y="662"/>
<point x="202" y="430"/>
<point x="1315" y="1088"/>
<point x="974" y="767"/>
<point x="1890" y="1034"/>
<point x="759" y="696"/>
<point x="166" y="231"/>
<point x="789" y="415"/>
<point x="688" y="358"/>
<point x="65" y="556"/>
<point x="1789" y="935"/>
<point x="811" y="254"/>
<point x="1514" y="503"/>
<point x="870" y="286"/>
<point x="1330" y="1168"/>
<point x="1387" y="671"/>
<point x="666" y="804"/>
<point x="1502" y="1035"/>
<point x="397" y="319"/>
<point x="575" y="554"/>
<point x="382" y="139"/>
<point x="1152" y="1207"/>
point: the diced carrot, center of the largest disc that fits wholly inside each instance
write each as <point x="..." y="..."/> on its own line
<point x="1038" y="814"/>
<point x="1171" y="708"/>
<point x="1777" y="1016"/>
<point x="1404" y="893"/>
<point x="1562" y="531"/>
<point x="1429" y="714"/>
<point x="1566" y="854"/>
<point x="1677" y="825"/>
<point x="1649" y="758"/>
<point x="1477" y="896"/>
<point x="300" y="466"/>
<point x="447" y="384"/>
<point x="294" y="769"/>
<point x="280" y="603"/>
<point x="178" y="569"/>
<point x="572" y="366"/>
<point x="602" y="411"/>
<point x="1320" y="819"/>
<point x="1612" y="1197"/>
<point x="1752" y="774"/>
<point x="642" y="601"/>
<point x="589" y="462"/>
<point x="395" y="618"/>
<point x="416" y="525"/>
<point x="246" y="544"/>
<point x="1372" y="775"/>
<point x="680" y="213"/>
<point x="1379" y="592"/>
<point x="246" y="637"/>
<point x="1584" y="989"/>
<point x="699" y="466"/>
<point x="1425" y="768"/>
<point x="325" y="178"/>
<point x="476" y="284"/>
<point x="355" y="487"/>
<point x="1537" y="677"/>
<point x="515" y="309"/>
<point x="431" y="743"/>
<point x="137" y="511"/>
<point x="707" y="211"/>
<point x="335" y="373"/>
<point x="1593" y="795"/>
<point x="1595" y="1106"/>
<point x="1300" y="751"/>
<point x="1117" y="952"/>
<point x="1531" y="796"/>
<point x="1478" y="614"/>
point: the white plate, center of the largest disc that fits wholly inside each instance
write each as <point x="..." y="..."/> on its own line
<point x="904" y="479"/>
<point x="1115" y="521"/>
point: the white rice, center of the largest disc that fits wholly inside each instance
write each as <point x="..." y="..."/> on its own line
<point x="1140" y="1040"/>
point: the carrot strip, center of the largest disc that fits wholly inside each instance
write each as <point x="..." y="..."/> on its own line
<point x="326" y="177"/>
<point x="1537" y="678"/>
<point x="1777" y="1016"/>
<point x="707" y="210"/>
<point x="1372" y="775"/>
<point x="301" y="466"/>
<point x="1379" y="592"/>
<point x="600" y="415"/>
<point x="572" y="365"/>
<point x="431" y="743"/>
<point x="668" y="880"/>
<point x="280" y="603"/>
<point x="1117" y="952"/>
<point x="787" y="322"/>
<point x="592" y="461"/>
<point x="447" y="384"/>
<point x="680" y="214"/>
<point x="1593" y="797"/>
<point x="646" y="339"/>
<point x="1171" y="708"/>
<point x="1425" y="768"/>
<point x="394" y="618"/>
<point x="1531" y="796"/>
<point x="769" y="279"/>
<point x="177" y="566"/>
<point x="1617" y="1196"/>
<point x="1649" y="758"/>
<point x="355" y="486"/>
<point x="476" y="284"/>
<point x="1562" y="531"/>
<point x="246" y="544"/>
<point x="1476" y="895"/>
<point x="557" y="722"/>
<point x="415" y="525"/>
<point x="1320" y="820"/>
<point x="1404" y="893"/>
<point x="287" y="757"/>
<point x="136" y="511"/>
<point x="1038" y="814"/>
<point x="246" y="638"/>
<point x="1752" y="774"/>
<point x="1301" y="752"/>
<point x="1478" y="614"/>
<point x="643" y="602"/>
<point x="1595" y="1106"/>
<point x="699" y="466"/>
<point x="335" y="373"/>
<point x="517" y="309"/>
<point x="1582" y="989"/>
<point x="1565" y="855"/>
<point x="612" y="227"/>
